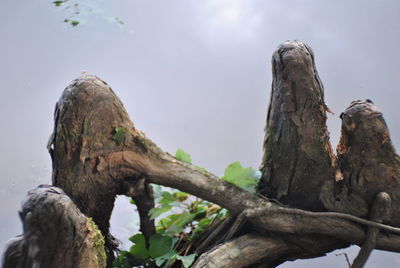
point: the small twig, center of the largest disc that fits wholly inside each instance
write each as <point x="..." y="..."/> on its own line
<point x="346" y="256"/>
<point x="179" y="241"/>
<point x="187" y="249"/>
<point x="212" y="236"/>
<point x="332" y="215"/>
<point x="240" y="220"/>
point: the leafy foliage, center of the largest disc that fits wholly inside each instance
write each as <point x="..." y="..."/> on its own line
<point x="180" y="219"/>
<point x="183" y="156"/>
<point x="119" y="135"/>
<point x="139" y="249"/>
<point x="245" y="178"/>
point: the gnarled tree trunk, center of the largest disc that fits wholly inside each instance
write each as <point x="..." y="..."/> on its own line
<point x="98" y="153"/>
<point x="298" y="157"/>
<point x="56" y="234"/>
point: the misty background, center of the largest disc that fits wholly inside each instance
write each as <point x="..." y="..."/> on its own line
<point x="192" y="74"/>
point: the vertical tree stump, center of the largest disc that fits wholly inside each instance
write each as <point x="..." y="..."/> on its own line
<point x="55" y="234"/>
<point x="298" y="157"/>
<point x="368" y="164"/>
<point x="91" y="124"/>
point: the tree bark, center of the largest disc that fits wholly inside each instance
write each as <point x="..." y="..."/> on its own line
<point x="91" y="124"/>
<point x="98" y="153"/>
<point x="368" y="164"/>
<point x="56" y="234"/>
<point x="298" y="157"/>
<point x="243" y="251"/>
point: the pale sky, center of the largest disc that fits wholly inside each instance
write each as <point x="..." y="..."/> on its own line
<point x="192" y="74"/>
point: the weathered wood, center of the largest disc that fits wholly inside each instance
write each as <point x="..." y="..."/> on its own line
<point x="55" y="234"/>
<point x="368" y="164"/>
<point x="298" y="156"/>
<point x="90" y="124"/>
<point x="243" y="251"/>
<point x="255" y="250"/>
<point x="142" y="193"/>
<point x="98" y="153"/>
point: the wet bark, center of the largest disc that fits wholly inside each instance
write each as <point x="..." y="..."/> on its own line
<point x="55" y="234"/>
<point x="98" y="153"/>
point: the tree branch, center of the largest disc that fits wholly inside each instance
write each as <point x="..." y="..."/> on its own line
<point x="380" y="211"/>
<point x="243" y="251"/>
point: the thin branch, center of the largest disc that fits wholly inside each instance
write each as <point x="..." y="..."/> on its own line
<point x="380" y="211"/>
<point x="346" y="257"/>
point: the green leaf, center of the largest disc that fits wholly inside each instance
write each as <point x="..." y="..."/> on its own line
<point x="245" y="178"/>
<point x="73" y="22"/>
<point x="119" y="135"/>
<point x="168" y="221"/>
<point x="223" y="213"/>
<point x="58" y="3"/>
<point x="155" y="212"/>
<point x="139" y="250"/>
<point x="124" y="260"/>
<point x="183" y="156"/>
<point x="201" y="227"/>
<point x="186" y="260"/>
<point x="174" y="229"/>
<point x="185" y="218"/>
<point x="204" y="223"/>
<point x="181" y="196"/>
<point x="168" y="196"/>
<point x="171" y="255"/>
<point x="164" y="201"/>
<point x="160" y="245"/>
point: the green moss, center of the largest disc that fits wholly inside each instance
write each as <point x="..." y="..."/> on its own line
<point x="98" y="242"/>
<point x="119" y="135"/>
<point x="146" y="144"/>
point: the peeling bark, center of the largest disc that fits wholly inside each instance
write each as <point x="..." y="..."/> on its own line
<point x="368" y="164"/>
<point x="297" y="157"/>
<point x="55" y="234"/>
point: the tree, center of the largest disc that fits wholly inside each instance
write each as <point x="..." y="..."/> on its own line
<point x="309" y="201"/>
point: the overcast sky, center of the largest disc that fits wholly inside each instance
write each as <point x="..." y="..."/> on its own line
<point x="192" y="74"/>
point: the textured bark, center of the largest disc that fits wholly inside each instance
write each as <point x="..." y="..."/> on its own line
<point x="255" y="250"/>
<point x="107" y="171"/>
<point x="98" y="153"/>
<point x="55" y="234"/>
<point x="298" y="157"/>
<point x="368" y="164"/>
<point x="242" y="252"/>
<point x="87" y="118"/>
